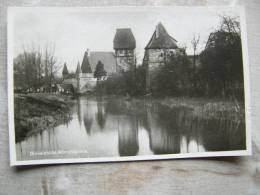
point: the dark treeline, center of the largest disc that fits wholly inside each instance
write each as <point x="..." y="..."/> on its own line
<point x="127" y="83"/>
<point x="216" y="72"/>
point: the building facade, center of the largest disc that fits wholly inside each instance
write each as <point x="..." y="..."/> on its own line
<point x="124" y="46"/>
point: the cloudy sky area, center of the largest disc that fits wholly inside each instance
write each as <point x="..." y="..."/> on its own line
<point x="74" y="30"/>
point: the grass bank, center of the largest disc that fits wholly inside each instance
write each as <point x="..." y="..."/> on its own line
<point x="37" y="112"/>
<point x="204" y="108"/>
<point x="207" y="108"/>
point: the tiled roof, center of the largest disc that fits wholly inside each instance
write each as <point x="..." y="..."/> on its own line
<point x="124" y="39"/>
<point x="107" y="58"/>
<point x="161" y="39"/>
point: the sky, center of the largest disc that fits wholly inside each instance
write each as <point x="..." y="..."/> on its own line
<point x="74" y="30"/>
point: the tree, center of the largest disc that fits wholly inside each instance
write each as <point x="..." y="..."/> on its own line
<point x="173" y="78"/>
<point x="194" y="42"/>
<point x="194" y="74"/>
<point x="28" y="70"/>
<point x="99" y="71"/>
<point x="131" y="82"/>
<point x="51" y="65"/>
<point x="222" y="65"/>
<point x="230" y="24"/>
<point x="33" y="68"/>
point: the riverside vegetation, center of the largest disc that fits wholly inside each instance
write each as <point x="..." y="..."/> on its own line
<point x="37" y="112"/>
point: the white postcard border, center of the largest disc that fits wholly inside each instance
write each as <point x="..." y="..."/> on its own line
<point x="12" y="148"/>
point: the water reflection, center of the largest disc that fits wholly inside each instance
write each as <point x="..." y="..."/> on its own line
<point x="79" y="110"/>
<point x="116" y="127"/>
<point x="128" y="136"/>
<point x="100" y="115"/>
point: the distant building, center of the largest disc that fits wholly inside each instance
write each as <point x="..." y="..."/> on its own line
<point x="124" y="46"/>
<point x="157" y="52"/>
<point x="84" y="80"/>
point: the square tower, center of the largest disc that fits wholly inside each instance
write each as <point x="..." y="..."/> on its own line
<point x="124" y="46"/>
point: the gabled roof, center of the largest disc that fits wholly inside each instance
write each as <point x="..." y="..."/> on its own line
<point x="124" y="39"/>
<point x="107" y="58"/>
<point x="85" y="66"/>
<point x="161" y="39"/>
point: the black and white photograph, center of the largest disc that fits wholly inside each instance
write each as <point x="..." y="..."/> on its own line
<point x="102" y="84"/>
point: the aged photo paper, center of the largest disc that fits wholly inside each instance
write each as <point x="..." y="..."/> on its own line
<point x="102" y="84"/>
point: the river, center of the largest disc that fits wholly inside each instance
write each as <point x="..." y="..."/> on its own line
<point x="106" y="127"/>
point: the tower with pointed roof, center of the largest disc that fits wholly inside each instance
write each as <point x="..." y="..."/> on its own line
<point x="124" y="46"/>
<point x="157" y="52"/>
<point x="85" y="66"/>
<point x="78" y="70"/>
<point x="65" y="72"/>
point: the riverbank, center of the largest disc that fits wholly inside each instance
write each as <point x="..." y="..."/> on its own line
<point x="204" y="108"/>
<point x="37" y="112"/>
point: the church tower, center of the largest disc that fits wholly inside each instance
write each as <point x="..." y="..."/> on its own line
<point x="85" y="77"/>
<point x="124" y="46"/>
<point x="65" y="72"/>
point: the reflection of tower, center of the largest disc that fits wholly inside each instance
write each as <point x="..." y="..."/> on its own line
<point x="163" y="131"/>
<point x="79" y="111"/>
<point x="88" y="120"/>
<point x="100" y="115"/>
<point x="128" y="136"/>
<point x="78" y="72"/>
